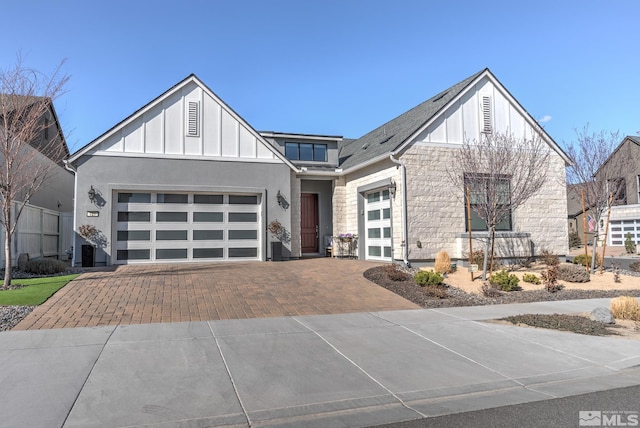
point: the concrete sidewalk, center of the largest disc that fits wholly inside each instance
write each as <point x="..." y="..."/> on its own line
<point x="355" y="369"/>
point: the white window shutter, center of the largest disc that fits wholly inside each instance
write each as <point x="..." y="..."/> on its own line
<point x="193" y="118"/>
<point x="487" y="121"/>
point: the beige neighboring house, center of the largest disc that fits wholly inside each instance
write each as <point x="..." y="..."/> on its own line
<point x="186" y="178"/>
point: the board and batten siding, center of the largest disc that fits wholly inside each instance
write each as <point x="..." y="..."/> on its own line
<point x="167" y="129"/>
<point x="464" y="119"/>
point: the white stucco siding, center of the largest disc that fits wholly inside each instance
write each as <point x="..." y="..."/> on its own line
<point x="162" y="129"/>
<point x="463" y="120"/>
<point x="346" y="215"/>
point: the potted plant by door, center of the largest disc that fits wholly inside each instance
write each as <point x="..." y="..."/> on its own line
<point x="279" y="232"/>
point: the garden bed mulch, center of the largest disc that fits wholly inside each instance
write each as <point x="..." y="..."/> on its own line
<point x="457" y="297"/>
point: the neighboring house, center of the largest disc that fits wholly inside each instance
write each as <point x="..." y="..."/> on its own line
<point x="185" y="178"/>
<point x="623" y="166"/>
<point x="576" y="217"/>
<point x="45" y="228"/>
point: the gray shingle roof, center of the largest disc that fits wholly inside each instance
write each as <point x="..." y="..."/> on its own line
<point x="392" y="134"/>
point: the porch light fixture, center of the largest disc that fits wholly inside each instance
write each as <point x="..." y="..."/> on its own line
<point x="92" y="194"/>
<point x="392" y="189"/>
<point x="282" y="201"/>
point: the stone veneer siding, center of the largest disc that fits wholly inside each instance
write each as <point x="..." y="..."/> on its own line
<point x="436" y="213"/>
<point x="345" y="201"/>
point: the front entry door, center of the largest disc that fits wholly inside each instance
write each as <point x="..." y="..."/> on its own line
<point x="309" y="222"/>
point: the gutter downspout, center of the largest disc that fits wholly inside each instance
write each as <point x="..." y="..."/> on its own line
<point x="68" y="167"/>
<point x="405" y="227"/>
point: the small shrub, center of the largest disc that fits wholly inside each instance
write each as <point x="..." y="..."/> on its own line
<point x="443" y="262"/>
<point x="531" y="278"/>
<point x="394" y="273"/>
<point x="635" y="266"/>
<point x="616" y="272"/>
<point x="585" y="260"/>
<point x="573" y="273"/>
<point x="424" y="278"/>
<point x="549" y="259"/>
<point x="437" y="291"/>
<point x="490" y="291"/>
<point x="625" y="308"/>
<point x="629" y="245"/>
<point x="550" y="278"/>
<point x="505" y="281"/>
<point x="574" y="239"/>
<point x="45" y="266"/>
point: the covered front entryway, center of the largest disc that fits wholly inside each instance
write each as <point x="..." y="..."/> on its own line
<point x="378" y="225"/>
<point x="316" y="216"/>
<point x="180" y="227"/>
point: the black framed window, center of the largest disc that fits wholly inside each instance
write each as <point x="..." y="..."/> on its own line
<point x="486" y="190"/>
<point x="306" y="152"/>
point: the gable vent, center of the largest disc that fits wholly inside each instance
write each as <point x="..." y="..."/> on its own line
<point x="193" y="118"/>
<point x="486" y="115"/>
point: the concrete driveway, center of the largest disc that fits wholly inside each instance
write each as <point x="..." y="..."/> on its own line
<point x="201" y="292"/>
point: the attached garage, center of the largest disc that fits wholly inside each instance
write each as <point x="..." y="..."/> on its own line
<point x="180" y="227"/>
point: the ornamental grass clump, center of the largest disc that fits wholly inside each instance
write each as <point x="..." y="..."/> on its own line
<point x="625" y="308"/>
<point x="443" y="262"/>
<point x="395" y="273"/>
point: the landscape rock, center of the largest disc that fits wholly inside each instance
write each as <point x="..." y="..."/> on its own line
<point x="603" y="315"/>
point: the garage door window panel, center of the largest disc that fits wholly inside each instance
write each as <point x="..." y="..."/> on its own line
<point x="243" y="252"/>
<point x="137" y="216"/>
<point x="133" y="254"/>
<point x="172" y="198"/>
<point x="243" y="234"/>
<point x="235" y="217"/>
<point x="208" y="199"/>
<point x="208" y="217"/>
<point x="134" y="235"/>
<point x="138" y="198"/>
<point x="171" y="253"/>
<point x="243" y="200"/>
<point x="171" y="216"/>
<point x="208" y="253"/>
<point x="208" y="235"/>
<point x="171" y="235"/>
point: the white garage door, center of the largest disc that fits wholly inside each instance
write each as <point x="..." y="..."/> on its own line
<point x="378" y="225"/>
<point x="174" y="227"/>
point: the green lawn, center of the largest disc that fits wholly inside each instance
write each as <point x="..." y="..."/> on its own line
<point x="35" y="292"/>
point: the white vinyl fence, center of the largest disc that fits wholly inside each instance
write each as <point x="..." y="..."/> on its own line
<point x="41" y="233"/>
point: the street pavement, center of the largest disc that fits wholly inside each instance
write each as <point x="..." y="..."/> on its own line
<point x="347" y="370"/>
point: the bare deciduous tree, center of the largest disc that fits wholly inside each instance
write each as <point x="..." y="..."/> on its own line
<point x="29" y="142"/>
<point x="597" y="172"/>
<point x="501" y="172"/>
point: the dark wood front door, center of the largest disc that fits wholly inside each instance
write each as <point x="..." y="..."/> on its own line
<point x="309" y="222"/>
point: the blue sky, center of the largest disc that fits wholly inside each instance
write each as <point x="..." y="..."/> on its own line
<point x="333" y="67"/>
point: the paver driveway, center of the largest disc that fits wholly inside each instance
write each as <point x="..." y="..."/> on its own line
<point x="198" y="292"/>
